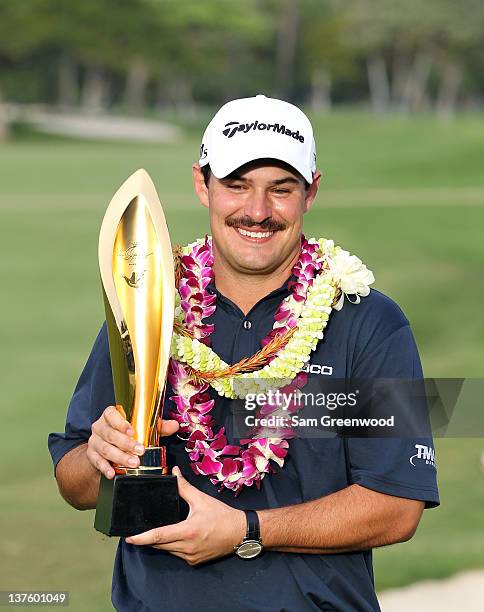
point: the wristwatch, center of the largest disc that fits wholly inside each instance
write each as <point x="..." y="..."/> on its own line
<point x="251" y="545"/>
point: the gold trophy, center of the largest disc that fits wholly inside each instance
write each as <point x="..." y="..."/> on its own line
<point x="138" y="280"/>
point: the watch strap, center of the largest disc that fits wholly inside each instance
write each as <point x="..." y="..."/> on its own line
<point x="253" y="527"/>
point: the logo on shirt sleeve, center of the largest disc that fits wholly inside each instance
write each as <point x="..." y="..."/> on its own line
<point x="424" y="453"/>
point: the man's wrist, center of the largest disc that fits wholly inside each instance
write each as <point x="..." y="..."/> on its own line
<point x="240" y="528"/>
<point x="251" y="545"/>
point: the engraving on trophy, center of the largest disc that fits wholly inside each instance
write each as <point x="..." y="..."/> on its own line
<point x="133" y="253"/>
<point x="136" y="279"/>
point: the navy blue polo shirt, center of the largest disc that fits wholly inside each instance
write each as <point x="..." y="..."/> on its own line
<point x="371" y="339"/>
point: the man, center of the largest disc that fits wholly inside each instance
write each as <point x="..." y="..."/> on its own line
<point x="335" y="498"/>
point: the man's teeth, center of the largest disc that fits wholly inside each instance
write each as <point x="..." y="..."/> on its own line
<point x="254" y="234"/>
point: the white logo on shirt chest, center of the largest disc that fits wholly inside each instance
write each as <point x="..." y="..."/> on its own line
<point x="314" y="368"/>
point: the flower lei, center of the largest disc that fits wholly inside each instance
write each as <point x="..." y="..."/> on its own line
<point x="324" y="274"/>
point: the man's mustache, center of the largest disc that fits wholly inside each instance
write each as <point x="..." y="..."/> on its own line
<point x="268" y="225"/>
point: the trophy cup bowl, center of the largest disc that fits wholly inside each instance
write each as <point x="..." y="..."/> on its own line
<point x="138" y="281"/>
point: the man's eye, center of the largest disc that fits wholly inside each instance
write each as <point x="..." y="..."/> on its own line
<point x="236" y="186"/>
<point x="280" y="191"/>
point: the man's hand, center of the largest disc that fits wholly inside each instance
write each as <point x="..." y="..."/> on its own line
<point x="112" y="441"/>
<point x="211" y="530"/>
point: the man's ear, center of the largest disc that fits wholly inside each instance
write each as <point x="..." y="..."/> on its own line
<point x="312" y="191"/>
<point x="199" y="184"/>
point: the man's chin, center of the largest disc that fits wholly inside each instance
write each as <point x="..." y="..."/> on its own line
<point x="256" y="265"/>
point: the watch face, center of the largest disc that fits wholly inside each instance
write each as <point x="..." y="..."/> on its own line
<point x="249" y="549"/>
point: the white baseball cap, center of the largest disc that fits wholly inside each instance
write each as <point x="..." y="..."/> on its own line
<point x="255" y="128"/>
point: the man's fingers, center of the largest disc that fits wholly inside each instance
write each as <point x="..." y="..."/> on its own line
<point x="100" y="464"/>
<point x="113" y="454"/>
<point x="183" y="550"/>
<point x="167" y="427"/>
<point x="113" y="417"/>
<point x="112" y="441"/>
<point x="119" y="440"/>
<point x="170" y="534"/>
<point x="173" y="547"/>
<point x="187" y="491"/>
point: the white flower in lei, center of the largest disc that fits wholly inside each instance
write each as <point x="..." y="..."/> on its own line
<point x="351" y="275"/>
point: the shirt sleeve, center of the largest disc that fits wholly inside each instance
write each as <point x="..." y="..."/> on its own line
<point x="401" y="466"/>
<point x="93" y="393"/>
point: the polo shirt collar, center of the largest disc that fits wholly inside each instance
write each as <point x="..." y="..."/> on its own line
<point x="281" y="293"/>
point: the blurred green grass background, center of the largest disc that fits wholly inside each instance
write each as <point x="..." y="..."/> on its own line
<point x="405" y="194"/>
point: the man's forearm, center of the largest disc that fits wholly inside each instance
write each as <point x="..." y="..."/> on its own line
<point x="77" y="479"/>
<point x="354" y="518"/>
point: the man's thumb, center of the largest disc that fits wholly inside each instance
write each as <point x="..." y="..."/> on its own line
<point x="186" y="490"/>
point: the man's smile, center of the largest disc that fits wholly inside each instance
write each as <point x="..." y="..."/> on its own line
<point x="254" y="236"/>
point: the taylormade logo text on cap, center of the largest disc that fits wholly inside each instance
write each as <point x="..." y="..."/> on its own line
<point x="232" y="127"/>
<point x="247" y="129"/>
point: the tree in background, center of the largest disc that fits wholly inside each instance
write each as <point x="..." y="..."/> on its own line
<point x="101" y="45"/>
<point x="21" y="33"/>
<point x="325" y="53"/>
<point x="134" y="55"/>
<point x="217" y="50"/>
<point x="404" y="45"/>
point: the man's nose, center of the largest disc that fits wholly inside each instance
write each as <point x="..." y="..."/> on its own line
<point x="259" y="207"/>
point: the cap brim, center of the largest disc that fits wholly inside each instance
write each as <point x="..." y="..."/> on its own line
<point x="225" y="167"/>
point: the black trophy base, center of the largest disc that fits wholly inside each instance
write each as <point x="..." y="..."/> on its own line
<point x="130" y="504"/>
